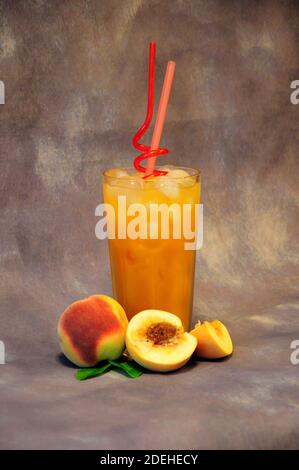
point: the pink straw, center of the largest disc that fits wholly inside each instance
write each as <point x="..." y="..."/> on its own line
<point x="161" y="114"/>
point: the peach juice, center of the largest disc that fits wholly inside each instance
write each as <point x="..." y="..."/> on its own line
<point x="153" y="270"/>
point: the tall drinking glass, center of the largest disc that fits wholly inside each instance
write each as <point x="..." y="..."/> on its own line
<point x="153" y="270"/>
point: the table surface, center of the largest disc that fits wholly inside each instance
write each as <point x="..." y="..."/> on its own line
<point x="248" y="401"/>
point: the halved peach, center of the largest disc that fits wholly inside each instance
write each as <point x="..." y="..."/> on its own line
<point x="157" y="341"/>
<point x="213" y="340"/>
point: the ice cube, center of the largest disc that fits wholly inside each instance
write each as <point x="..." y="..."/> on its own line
<point x="166" y="168"/>
<point x="117" y="173"/>
<point x="178" y="173"/>
<point x="182" y="177"/>
<point x="168" y="186"/>
<point x="135" y="181"/>
<point x="123" y="179"/>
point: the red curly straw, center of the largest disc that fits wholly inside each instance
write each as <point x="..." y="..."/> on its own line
<point x="147" y="152"/>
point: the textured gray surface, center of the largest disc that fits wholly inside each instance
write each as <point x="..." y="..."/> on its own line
<point x="75" y="93"/>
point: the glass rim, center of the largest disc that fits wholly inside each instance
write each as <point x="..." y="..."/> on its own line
<point x="193" y="172"/>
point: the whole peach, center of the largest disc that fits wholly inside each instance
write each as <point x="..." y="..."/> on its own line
<point x="92" y="329"/>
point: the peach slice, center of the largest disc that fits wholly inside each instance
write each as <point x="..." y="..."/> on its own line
<point x="213" y="340"/>
<point x="157" y="341"/>
<point x="92" y="329"/>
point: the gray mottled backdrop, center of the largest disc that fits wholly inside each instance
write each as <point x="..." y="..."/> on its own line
<point x="75" y="76"/>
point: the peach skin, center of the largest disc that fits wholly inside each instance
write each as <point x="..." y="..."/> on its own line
<point x="92" y="329"/>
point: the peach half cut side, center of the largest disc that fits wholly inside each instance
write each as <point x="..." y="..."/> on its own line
<point x="213" y="340"/>
<point x="157" y="341"/>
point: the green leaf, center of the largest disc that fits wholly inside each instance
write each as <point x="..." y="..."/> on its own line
<point x="132" y="369"/>
<point x="83" y="374"/>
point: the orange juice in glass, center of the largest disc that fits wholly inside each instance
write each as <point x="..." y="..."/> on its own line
<point x="153" y="270"/>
